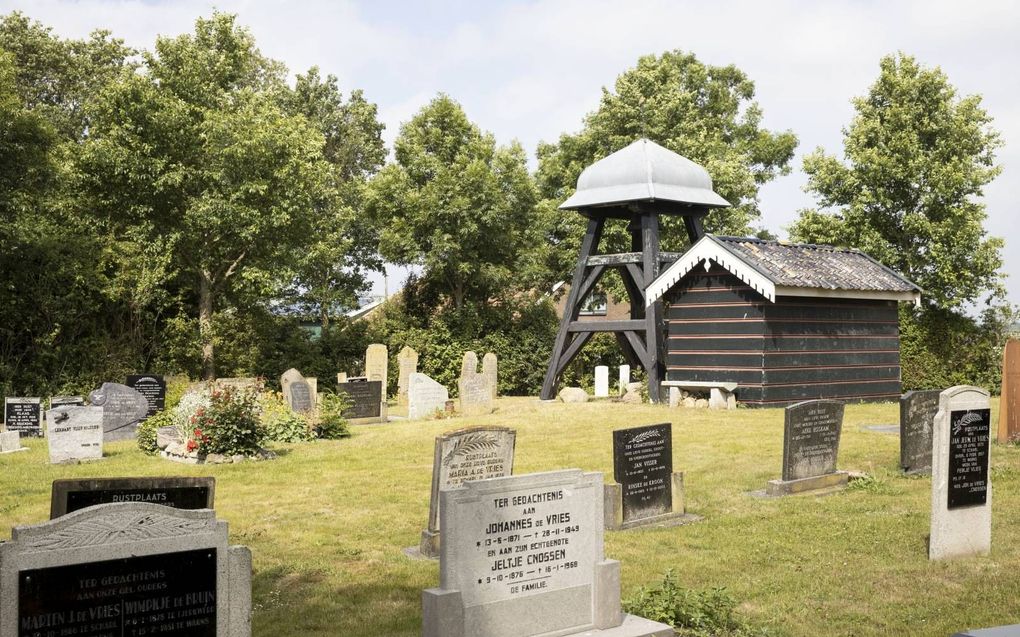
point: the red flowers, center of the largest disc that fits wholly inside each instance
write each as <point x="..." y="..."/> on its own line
<point x="192" y="445"/>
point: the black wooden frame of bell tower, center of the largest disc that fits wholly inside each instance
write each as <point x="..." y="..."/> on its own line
<point x="642" y="337"/>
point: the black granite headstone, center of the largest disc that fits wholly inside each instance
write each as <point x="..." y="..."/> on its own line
<point x="968" y="457"/>
<point x="24" y="415"/>
<point x="917" y="415"/>
<point x="152" y="387"/>
<point x="168" y="594"/>
<point x="643" y="466"/>
<point x="179" y="493"/>
<point x="300" y="396"/>
<point x="811" y="438"/>
<point x="366" y="397"/>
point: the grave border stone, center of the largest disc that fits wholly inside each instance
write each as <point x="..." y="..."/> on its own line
<point x="615" y="511"/>
<point x="61" y="490"/>
<point x="787" y="485"/>
<point x="122" y="531"/>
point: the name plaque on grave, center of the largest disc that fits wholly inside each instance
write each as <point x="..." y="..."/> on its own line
<point x="643" y="465"/>
<point x="300" y="396"/>
<point x="917" y="415"/>
<point x="968" y="457"/>
<point x="176" y="492"/>
<point x="153" y="388"/>
<point x="23" y="415"/>
<point x="514" y="537"/>
<point x="811" y="441"/>
<point x="167" y="594"/>
<point x="366" y="397"/>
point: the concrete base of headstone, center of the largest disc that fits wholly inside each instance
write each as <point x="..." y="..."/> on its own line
<point x="443" y="612"/>
<point x="10" y="442"/>
<point x="429" y="545"/>
<point x="613" y="507"/>
<point x="837" y="480"/>
<point x="382" y="417"/>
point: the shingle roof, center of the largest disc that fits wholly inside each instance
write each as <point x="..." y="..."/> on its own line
<point x="803" y="265"/>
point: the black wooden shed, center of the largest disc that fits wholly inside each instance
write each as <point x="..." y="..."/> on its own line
<point x="785" y="322"/>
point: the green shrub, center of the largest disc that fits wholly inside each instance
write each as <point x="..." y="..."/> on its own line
<point x="330" y="423"/>
<point x="691" y="613"/>
<point x="281" y="423"/>
<point x="230" y="425"/>
<point x="148" y="427"/>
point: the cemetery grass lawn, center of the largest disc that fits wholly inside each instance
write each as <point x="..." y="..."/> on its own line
<point x="327" y="522"/>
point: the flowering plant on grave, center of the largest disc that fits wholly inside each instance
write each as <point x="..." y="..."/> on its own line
<point x="230" y="424"/>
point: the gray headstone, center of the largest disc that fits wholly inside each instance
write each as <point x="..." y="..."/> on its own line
<point x="376" y="363"/>
<point x="523" y="556"/>
<point x="425" y="396"/>
<point x="469" y="365"/>
<point x="23" y="415"/>
<point x="961" y="486"/>
<point x="125" y="569"/>
<point x="407" y="364"/>
<point x="490" y="369"/>
<point x="123" y="409"/>
<point x="475" y="395"/>
<point x="10" y="441"/>
<point x="474" y="453"/>
<point x="298" y="391"/>
<point x="811" y="438"/>
<point x="917" y="415"/>
<point x="68" y="496"/>
<point x="75" y="433"/>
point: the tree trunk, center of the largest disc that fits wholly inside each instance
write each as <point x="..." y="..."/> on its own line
<point x="205" y="314"/>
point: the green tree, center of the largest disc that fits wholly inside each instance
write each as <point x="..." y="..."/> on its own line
<point x="917" y="157"/>
<point x="457" y="206"/>
<point x="705" y="113"/>
<point x="198" y="159"/>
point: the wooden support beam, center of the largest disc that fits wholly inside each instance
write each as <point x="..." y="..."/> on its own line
<point x="589" y="282"/>
<point x="695" y="229"/>
<point x="629" y="354"/>
<point x="572" y="350"/>
<point x="606" y="326"/>
<point x="653" y="314"/>
<point x="639" y="348"/>
<point x="639" y="280"/>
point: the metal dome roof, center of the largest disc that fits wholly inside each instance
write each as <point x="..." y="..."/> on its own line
<point x="643" y="171"/>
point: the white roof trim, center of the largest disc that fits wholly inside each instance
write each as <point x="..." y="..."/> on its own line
<point x="708" y="249"/>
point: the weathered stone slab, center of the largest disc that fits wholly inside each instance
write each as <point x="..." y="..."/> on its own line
<point x="1009" y="398"/>
<point x="643" y="466"/>
<point x="475" y="395"/>
<point x="425" y="397"/>
<point x="123" y="409"/>
<point x="152" y="387"/>
<point x="23" y="415"/>
<point x="68" y="496"/>
<point x="407" y="364"/>
<point x="75" y="433"/>
<point x="961" y="489"/>
<point x="469" y="364"/>
<point x="917" y="415"/>
<point x="811" y="438"/>
<point x="473" y="453"/>
<point x="376" y="365"/>
<point x="601" y="381"/>
<point x="125" y="569"/>
<point x="367" y="397"/>
<point x="522" y="556"/>
<point x="245" y="383"/>
<point x="10" y="441"/>
<point x="298" y="391"/>
<point x="490" y="369"/>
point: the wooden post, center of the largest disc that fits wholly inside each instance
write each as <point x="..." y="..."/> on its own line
<point x="653" y="313"/>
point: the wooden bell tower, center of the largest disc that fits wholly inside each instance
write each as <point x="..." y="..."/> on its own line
<point x="636" y="184"/>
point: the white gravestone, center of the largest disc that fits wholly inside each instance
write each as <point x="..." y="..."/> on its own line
<point x="601" y="381"/>
<point x="376" y="363"/>
<point x="75" y="433"/>
<point x="961" y="488"/>
<point x="425" y="396"/>
<point x="125" y="569"/>
<point x="624" y="378"/>
<point x="522" y="556"/>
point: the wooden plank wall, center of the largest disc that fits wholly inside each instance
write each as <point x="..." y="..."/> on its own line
<point x="795" y="349"/>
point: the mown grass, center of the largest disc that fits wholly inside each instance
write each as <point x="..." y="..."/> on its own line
<point x="327" y="522"/>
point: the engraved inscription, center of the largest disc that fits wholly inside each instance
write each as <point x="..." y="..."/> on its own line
<point x="968" y="457"/>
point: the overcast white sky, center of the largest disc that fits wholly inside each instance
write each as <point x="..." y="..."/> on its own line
<point x="531" y="70"/>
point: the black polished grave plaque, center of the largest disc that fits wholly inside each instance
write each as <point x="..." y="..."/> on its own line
<point x="917" y="417"/>
<point x="366" y="396"/>
<point x="643" y="466"/>
<point x="179" y="493"/>
<point x="968" y="457"/>
<point x="152" y="387"/>
<point x="23" y="415"/>
<point x="301" y="396"/>
<point x="172" y="594"/>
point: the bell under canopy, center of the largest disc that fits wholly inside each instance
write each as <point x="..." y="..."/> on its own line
<point x="644" y="171"/>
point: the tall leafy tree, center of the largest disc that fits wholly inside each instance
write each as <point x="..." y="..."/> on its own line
<point x="703" y="112"/>
<point x="198" y="159"/>
<point x="916" y="159"/>
<point x="457" y="205"/>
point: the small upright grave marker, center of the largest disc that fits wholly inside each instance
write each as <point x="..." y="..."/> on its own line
<point x="298" y="392"/>
<point x="601" y="381"/>
<point x="473" y="453"/>
<point x="475" y="389"/>
<point x="368" y="401"/>
<point x="376" y="364"/>
<point x="522" y="556"/>
<point x="1009" y="398"/>
<point x="125" y="569"/>
<point x="69" y="496"/>
<point x="152" y="387"/>
<point x="490" y="369"/>
<point x="624" y="378"/>
<point x="425" y="397"/>
<point x="961" y="490"/>
<point x="10" y="441"/>
<point x="407" y="364"/>
<point x="123" y="409"/>
<point x="917" y="413"/>
<point x="23" y="415"/>
<point x="647" y="491"/>
<point x="75" y="434"/>
<point x="810" y="447"/>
